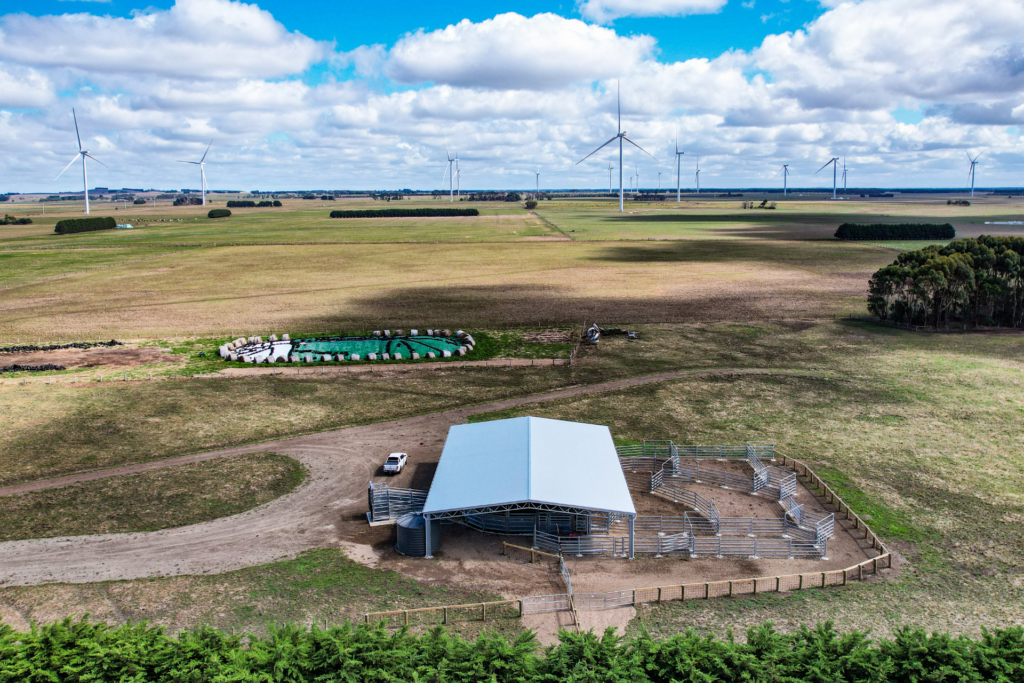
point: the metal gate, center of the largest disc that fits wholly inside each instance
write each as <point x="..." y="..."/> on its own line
<point x="538" y="604"/>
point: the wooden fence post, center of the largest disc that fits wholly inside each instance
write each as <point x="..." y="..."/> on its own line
<point x="801" y="586"/>
<point x="730" y="589"/>
<point x="445" y="618"/>
<point x="483" y="607"/>
<point x="707" y="591"/>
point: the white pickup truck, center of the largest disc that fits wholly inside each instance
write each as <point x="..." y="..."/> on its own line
<point x="395" y="463"/>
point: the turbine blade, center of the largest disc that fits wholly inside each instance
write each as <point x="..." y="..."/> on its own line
<point x="67" y="167"/>
<point x="639" y="147"/>
<point x="187" y="162"/>
<point x="96" y="160"/>
<point x="596" y="150"/>
<point x="206" y="152"/>
<point x="823" y="167"/>
<point x="75" y="116"/>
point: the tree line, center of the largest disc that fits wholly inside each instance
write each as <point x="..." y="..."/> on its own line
<point x="972" y="281"/>
<point x="85" y="651"/>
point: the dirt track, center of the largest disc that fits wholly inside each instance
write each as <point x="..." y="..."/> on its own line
<point x="328" y="510"/>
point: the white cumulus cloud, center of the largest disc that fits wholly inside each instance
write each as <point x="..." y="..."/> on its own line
<point x="198" y="39"/>
<point x="603" y="11"/>
<point x="511" y="51"/>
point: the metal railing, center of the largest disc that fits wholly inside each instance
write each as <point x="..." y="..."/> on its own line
<point x="387" y="504"/>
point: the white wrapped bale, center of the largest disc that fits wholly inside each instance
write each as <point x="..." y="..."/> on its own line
<point x="354" y="356"/>
<point x="461" y="351"/>
<point x="259" y="340"/>
<point x="371" y="356"/>
<point x="397" y="356"/>
<point x="295" y="358"/>
<point x="447" y="333"/>
<point x="415" y="356"/>
<point x="459" y="333"/>
<point x="399" y="333"/>
<point x="285" y="337"/>
<point x="327" y="357"/>
<point x="233" y="357"/>
<point x="376" y="333"/>
<point x="273" y="338"/>
<point x="308" y="358"/>
<point x="385" y="356"/>
<point x="413" y="332"/>
<point x="387" y="333"/>
<point x="430" y="333"/>
<point x="223" y="351"/>
<point x="430" y="354"/>
<point x="446" y="354"/>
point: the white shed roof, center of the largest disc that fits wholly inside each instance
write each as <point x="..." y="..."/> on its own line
<point x="529" y="460"/>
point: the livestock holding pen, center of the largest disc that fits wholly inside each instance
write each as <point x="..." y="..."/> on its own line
<point x="567" y="487"/>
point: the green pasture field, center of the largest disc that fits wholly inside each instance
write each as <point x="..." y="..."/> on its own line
<point x="919" y="431"/>
<point x="176" y="496"/>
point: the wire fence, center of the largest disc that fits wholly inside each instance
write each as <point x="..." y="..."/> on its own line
<point x="388" y="504"/>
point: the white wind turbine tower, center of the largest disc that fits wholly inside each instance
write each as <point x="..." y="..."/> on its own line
<point x="202" y="170"/>
<point x="697" y="175"/>
<point x="678" y="161"/>
<point x="637" y="169"/>
<point x="458" y="177"/>
<point x="81" y="153"/>
<point x="844" y="175"/>
<point x="449" y="174"/>
<point x="835" y="164"/>
<point x="785" y="175"/>
<point x="620" y="136"/>
<point x="610" y="167"/>
<point x="538" y="181"/>
<point x="659" y="180"/>
<point x="974" y="162"/>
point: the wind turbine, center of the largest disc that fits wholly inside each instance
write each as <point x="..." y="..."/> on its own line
<point x="637" y="168"/>
<point x="458" y="177"/>
<point x="448" y="173"/>
<point x="538" y="181"/>
<point x="844" y="175"/>
<point x="678" y="160"/>
<point x="785" y="174"/>
<point x="202" y="170"/>
<point x="659" y="181"/>
<point x="620" y="136"/>
<point x="610" y="167"/>
<point x="835" y="164"/>
<point x="81" y="153"/>
<point x="974" y="162"/>
<point x="697" y="175"/>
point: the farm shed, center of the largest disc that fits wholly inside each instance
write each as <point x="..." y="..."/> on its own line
<point x="529" y="473"/>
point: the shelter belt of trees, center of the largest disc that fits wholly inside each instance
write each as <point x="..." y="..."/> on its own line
<point x="970" y="281"/>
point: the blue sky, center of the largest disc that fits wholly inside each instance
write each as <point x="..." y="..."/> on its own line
<point x="357" y="95"/>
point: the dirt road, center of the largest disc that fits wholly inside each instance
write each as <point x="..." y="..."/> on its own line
<point x="322" y="512"/>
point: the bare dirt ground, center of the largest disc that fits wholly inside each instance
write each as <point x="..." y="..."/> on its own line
<point x="330" y="508"/>
<point x="90" y="358"/>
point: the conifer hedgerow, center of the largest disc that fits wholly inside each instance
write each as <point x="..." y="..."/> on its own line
<point x="404" y="213"/>
<point x="73" y="225"/>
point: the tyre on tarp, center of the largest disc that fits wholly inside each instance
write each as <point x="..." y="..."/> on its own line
<point x="412" y="536"/>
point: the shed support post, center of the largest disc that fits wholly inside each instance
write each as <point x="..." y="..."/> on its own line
<point x="632" y="520"/>
<point x="426" y="533"/>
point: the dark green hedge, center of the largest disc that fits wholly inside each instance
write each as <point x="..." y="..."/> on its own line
<point x="895" y="231"/>
<point x="404" y="213"/>
<point x="241" y="204"/>
<point x="70" y="225"/>
<point x="218" y="213"/>
<point x="84" y="651"/>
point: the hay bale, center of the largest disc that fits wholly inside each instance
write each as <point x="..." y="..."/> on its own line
<point x="327" y="358"/>
<point x="376" y="333"/>
<point x="430" y="333"/>
<point x="396" y="356"/>
<point x="272" y="338"/>
<point x="308" y="358"/>
<point x="385" y="356"/>
<point x="446" y="354"/>
<point x="371" y="356"/>
<point x="295" y="358"/>
<point x="461" y="351"/>
<point x="431" y="354"/>
<point x="354" y="356"/>
<point x="413" y="332"/>
<point x="399" y="333"/>
<point x="459" y="333"/>
<point x="233" y="357"/>
<point x="285" y="337"/>
<point x="447" y="333"/>
<point x="223" y="351"/>
<point x="415" y="356"/>
<point x="387" y="333"/>
<point x="259" y="340"/>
